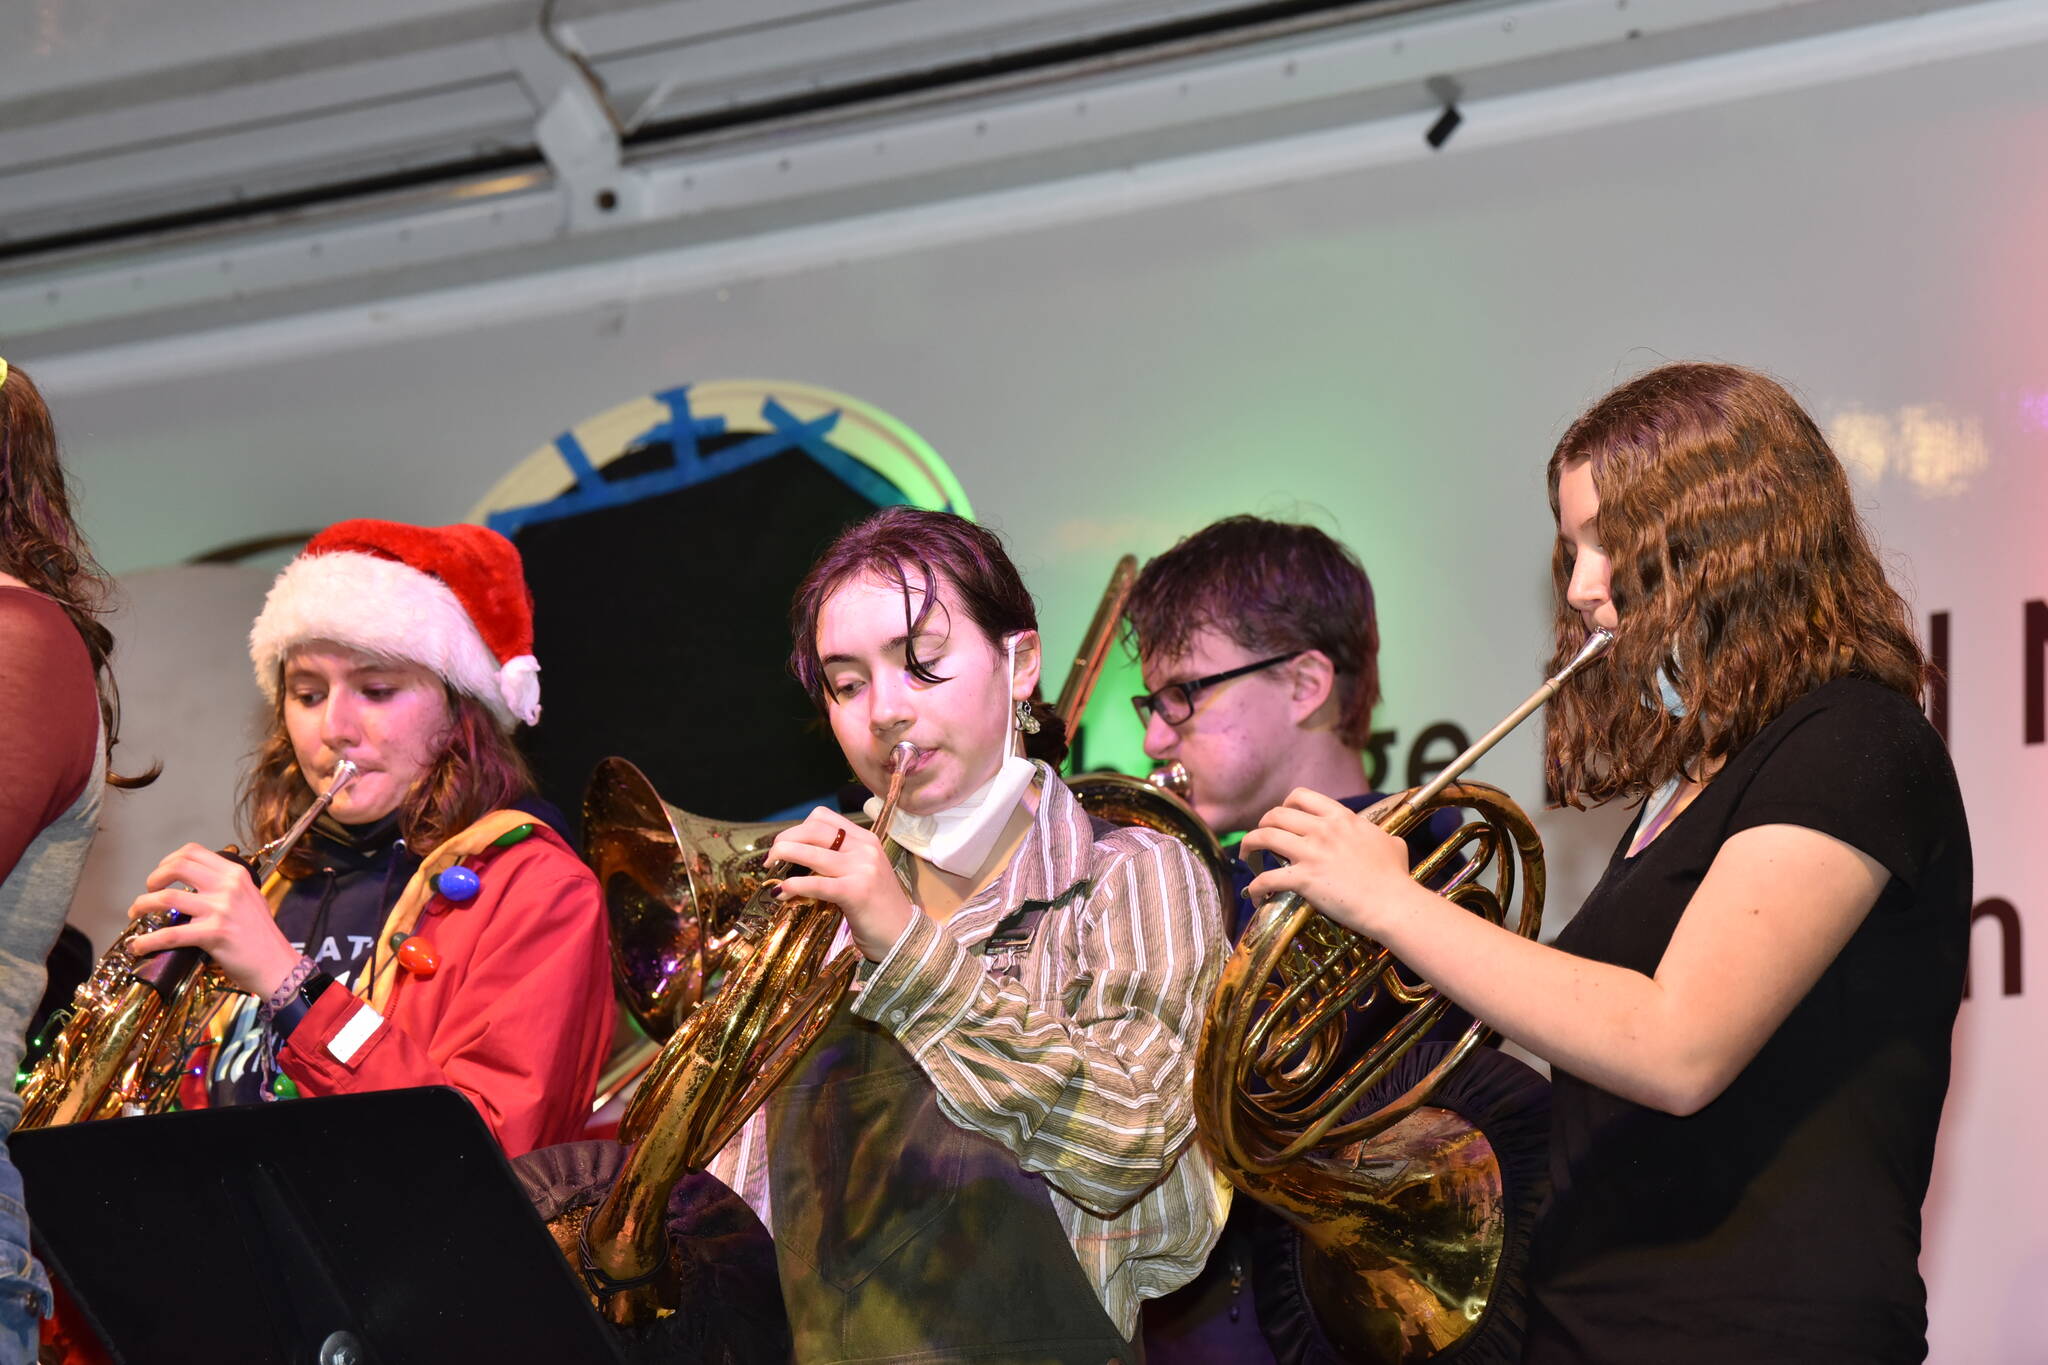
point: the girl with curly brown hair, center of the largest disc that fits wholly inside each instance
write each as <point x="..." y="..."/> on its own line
<point x="1748" y="1020"/>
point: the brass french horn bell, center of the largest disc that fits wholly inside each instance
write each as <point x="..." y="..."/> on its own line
<point x="716" y="1069"/>
<point x="675" y="885"/>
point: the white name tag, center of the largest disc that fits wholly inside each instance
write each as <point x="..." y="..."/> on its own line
<point x="359" y="1029"/>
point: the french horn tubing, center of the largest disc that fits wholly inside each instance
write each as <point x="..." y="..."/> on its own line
<point x="716" y="1069"/>
<point x="1399" y="1207"/>
<point x="1158" y="802"/>
<point x="120" y="1045"/>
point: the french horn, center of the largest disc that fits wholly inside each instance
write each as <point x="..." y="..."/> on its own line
<point x="120" y="1046"/>
<point x="675" y="886"/>
<point x="739" y="992"/>
<point x="1399" y="1205"/>
<point x="718" y="1066"/>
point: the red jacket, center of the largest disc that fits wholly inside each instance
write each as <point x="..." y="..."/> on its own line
<point x="518" y="1015"/>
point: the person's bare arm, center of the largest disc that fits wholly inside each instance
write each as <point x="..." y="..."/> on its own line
<point x="1776" y="906"/>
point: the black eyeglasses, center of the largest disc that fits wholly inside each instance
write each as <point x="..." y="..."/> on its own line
<point x="1175" y="702"/>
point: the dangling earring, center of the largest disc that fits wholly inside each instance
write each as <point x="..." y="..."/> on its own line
<point x="1027" y="719"/>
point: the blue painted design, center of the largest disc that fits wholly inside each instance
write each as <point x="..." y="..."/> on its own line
<point x="592" y="491"/>
<point x="682" y="428"/>
<point x="808" y="437"/>
<point x="682" y="432"/>
<point x="579" y="463"/>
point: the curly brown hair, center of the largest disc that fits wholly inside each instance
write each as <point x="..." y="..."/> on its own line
<point x="476" y="772"/>
<point x="1740" y="566"/>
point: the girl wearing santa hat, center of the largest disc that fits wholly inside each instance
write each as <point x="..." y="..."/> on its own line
<point x="432" y="928"/>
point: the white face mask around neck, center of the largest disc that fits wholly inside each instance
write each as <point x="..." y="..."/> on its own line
<point x="958" y="839"/>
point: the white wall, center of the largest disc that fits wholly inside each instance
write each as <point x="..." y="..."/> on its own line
<point x="1377" y="337"/>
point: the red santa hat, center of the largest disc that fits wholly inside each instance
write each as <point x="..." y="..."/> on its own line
<point x="451" y="599"/>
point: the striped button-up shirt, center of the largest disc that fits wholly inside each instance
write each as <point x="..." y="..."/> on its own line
<point x="1074" y="1049"/>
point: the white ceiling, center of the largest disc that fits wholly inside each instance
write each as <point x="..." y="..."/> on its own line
<point x="115" y="111"/>
<point x="167" y="166"/>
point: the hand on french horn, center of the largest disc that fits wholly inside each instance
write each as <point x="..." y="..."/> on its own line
<point x="1340" y="862"/>
<point x="229" y="920"/>
<point x="848" y="868"/>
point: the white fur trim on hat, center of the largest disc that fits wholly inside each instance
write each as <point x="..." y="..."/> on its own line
<point x="519" y="685"/>
<point x="384" y="607"/>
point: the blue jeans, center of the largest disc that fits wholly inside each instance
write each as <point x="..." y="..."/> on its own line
<point x="24" y="1287"/>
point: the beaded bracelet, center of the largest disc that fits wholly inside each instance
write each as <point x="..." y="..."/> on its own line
<point x="282" y="996"/>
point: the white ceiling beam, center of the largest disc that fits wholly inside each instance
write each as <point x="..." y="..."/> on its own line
<point x="733" y="206"/>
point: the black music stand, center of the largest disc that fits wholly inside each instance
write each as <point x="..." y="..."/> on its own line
<point x="264" y="1233"/>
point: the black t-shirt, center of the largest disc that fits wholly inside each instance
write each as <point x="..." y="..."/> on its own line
<point x="1782" y="1221"/>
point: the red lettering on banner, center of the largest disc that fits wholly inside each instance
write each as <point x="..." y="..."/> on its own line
<point x="2037" y="656"/>
<point x="2007" y="917"/>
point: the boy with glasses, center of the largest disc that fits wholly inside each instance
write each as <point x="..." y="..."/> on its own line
<point x="1260" y="649"/>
